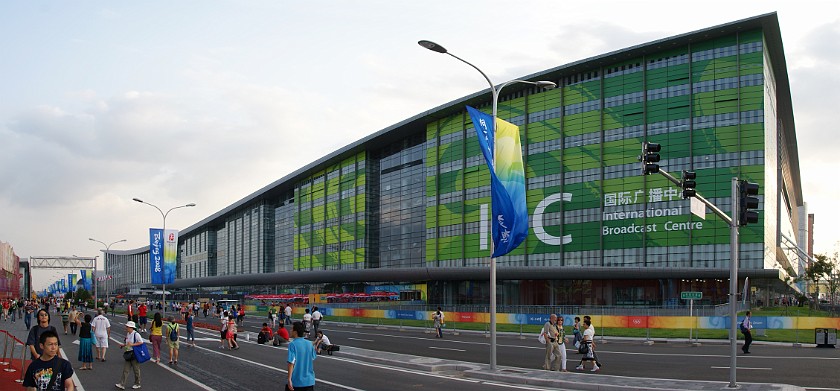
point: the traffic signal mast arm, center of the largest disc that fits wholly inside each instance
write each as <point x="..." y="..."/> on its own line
<point x="708" y="203"/>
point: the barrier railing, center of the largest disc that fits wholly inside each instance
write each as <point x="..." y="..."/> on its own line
<point x="12" y="345"/>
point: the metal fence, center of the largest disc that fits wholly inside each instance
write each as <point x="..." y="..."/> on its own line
<point x="704" y="310"/>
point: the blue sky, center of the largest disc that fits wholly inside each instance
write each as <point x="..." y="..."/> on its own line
<point x="206" y="102"/>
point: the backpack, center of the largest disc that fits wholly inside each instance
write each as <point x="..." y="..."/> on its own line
<point x="173" y="332"/>
<point x="261" y="338"/>
<point x="742" y="327"/>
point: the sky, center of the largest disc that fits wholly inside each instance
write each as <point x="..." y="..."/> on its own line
<point x="207" y="102"/>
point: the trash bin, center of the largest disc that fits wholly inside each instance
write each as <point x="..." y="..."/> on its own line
<point x="825" y="338"/>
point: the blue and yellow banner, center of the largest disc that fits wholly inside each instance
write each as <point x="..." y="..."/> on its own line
<point x="156" y="255"/>
<point x="71" y="282"/>
<point x="507" y="180"/>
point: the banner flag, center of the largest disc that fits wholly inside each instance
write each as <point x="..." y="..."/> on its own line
<point x="71" y="282"/>
<point x="156" y="255"/>
<point x="170" y="255"/>
<point x="507" y="180"/>
<point x="85" y="279"/>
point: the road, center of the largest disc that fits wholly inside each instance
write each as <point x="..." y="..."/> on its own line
<point x="206" y="367"/>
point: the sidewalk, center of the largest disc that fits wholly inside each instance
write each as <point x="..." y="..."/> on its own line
<point x="543" y="378"/>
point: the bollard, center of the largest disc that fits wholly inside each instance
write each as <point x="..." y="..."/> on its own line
<point x="22" y="363"/>
<point x="11" y="356"/>
<point x="5" y="348"/>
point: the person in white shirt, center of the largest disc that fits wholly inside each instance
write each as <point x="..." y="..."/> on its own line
<point x="321" y="343"/>
<point x="316" y="319"/>
<point x="288" y="311"/>
<point x="101" y="332"/>
<point x="307" y="323"/>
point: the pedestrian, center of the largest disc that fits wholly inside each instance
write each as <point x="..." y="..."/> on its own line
<point x="316" y="319"/>
<point x="576" y="333"/>
<point x="439" y="322"/>
<point x="75" y="319"/>
<point x="301" y="354"/>
<point x="281" y="337"/>
<point x="156" y="336"/>
<point x="746" y="329"/>
<point x="307" y="322"/>
<point x="28" y="310"/>
<point x="173" y="336"/>
<point x="13" y="305"/>
<point x="191" y="328"/>
<point x="101" y="333"/>
<point x="561" y="341"/>
<point x="322" y="342"/>
<point x="49" y="371"/>
<point x="272" y="315"/>
<point x="34" y="338"/>
<point x="551" y="332"/>
<point x="589" y="343"/>
<point x="132" y="339"/>
<point x="86" y="343"/>
<point x="288" y="312"/>
<point x="240" y="317"/>
<point x="65" y="319"/>
<point x="231" y="333"/>
<point x="143" y="313"/>
<point x="224" y="321"/>
<point x="265" y="334"/>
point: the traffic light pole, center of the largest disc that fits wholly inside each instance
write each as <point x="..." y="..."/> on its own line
<point x="733" y="268"/>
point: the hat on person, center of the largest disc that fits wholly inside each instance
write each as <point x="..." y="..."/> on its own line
<point x="130" y="324"/>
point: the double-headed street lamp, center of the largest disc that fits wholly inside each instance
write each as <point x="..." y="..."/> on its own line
<point x="495" y="91"/>
<point x="93" y="275"/>
<point x="163" y="297"/>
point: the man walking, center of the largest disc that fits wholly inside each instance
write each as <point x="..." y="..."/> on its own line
<point x="288" y="312"/>
<point x="301" y="354"/>
<point x="316" y="319"/>
<point x="101" y="333"/>
<point x="746" y="329"/>
<point x="552" y="343"/>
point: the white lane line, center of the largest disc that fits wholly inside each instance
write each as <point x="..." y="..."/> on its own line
<point x="275" y="368"/>
<point x="405" y="370"/>
<point x="181" y="375"/>
<point x="360" y="339"/>
<point x="75" y="378"/>
<point x="453" y="349"/>
<point x="762" y="369"/>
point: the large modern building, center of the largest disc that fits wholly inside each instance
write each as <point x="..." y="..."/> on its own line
<point x="409" y="206"/>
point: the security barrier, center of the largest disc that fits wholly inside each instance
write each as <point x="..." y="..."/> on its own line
<point x="13" y="360"/>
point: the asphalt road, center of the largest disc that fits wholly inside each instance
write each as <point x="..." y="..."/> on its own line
<point x="253" y="367"/>
<point x="258" y="367"/>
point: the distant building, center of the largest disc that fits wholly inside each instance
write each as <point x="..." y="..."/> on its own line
<point x="410" y="204"/>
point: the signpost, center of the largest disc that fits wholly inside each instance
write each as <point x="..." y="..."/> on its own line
<point x="691" y="296"/>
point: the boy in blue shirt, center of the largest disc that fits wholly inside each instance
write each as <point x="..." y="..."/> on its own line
<point x="300" y="358"/>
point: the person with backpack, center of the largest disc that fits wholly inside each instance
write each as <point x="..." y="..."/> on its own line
<point x="172" y="340"/>
<point x="746" y="329"/>
<point x="265" y="334"/>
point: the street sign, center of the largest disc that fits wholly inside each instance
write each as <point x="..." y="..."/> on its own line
<point x="691" y="295"/>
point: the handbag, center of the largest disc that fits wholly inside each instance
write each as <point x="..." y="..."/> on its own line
<point x="141" y="352"/>
<point x="583" y="348"/>
<point x="542" y="338"/>
<point x="128" y="355"/>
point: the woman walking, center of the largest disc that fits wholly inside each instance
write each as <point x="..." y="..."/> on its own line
<point x="589" y="343"/>
<point x="85" y="343"/>
<point x="156" y="336"/>
<point x="231" y="333"/>
<point x="439" y="322"/>
<point x="132" y="339"/>
<point x="190" y="329"/>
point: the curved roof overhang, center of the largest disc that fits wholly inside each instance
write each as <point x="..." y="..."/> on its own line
<point x="769" y="23"/>
<point x="467" y="274"/>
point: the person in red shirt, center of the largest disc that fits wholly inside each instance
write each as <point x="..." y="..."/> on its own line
<point x="143" y="312"/>
<point x="281" y="337"/>
<point x="265" y="334"/>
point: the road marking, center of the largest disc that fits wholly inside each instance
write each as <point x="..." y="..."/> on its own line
<point x="75" y="378"/>
<point x="406" y="370"/>
<point x="360" y="339"/>
<point x="453" y="349"/>
<point x="181" y="375"/>
<point x="762" y="369"/>
<point x="274" y="368"/>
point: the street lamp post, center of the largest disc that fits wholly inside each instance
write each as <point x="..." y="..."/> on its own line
<point x="495" y="94"/>
<point x="93" y="275"/>
<point x="163" y="295"/>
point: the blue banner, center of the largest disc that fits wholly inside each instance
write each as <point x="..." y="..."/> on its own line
<point x="156" y="255"/>
<point x="509" y="219"/>
<point x="85" y="280"/>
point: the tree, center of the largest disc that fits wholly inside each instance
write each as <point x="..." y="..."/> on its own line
<point x="821" y="267"/>
<point x="82" y="295"/>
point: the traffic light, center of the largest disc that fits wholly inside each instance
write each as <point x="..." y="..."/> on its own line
<point x="649" y="158"/>
<point x="747" y="202"/>
<point x="688" y="184"/>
